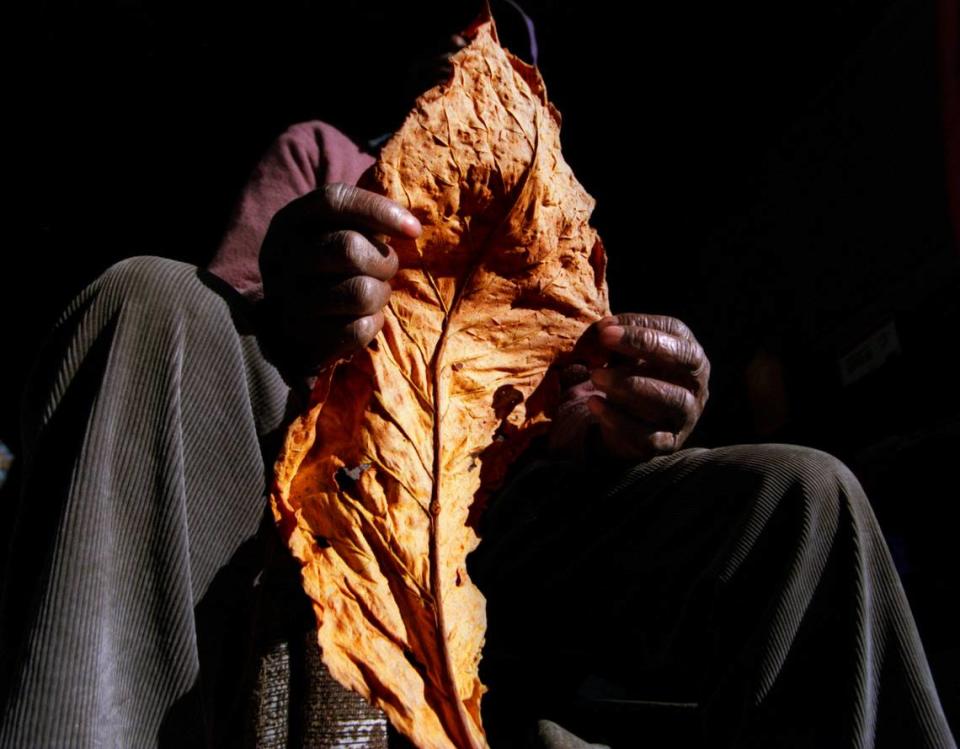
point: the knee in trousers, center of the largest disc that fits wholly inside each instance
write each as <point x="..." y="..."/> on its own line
<point x="167" y="291"/>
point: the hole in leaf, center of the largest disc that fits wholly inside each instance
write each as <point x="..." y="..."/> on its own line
<point x="347" y="478"/>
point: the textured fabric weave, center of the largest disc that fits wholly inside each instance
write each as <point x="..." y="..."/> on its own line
<point x="144" y="599"/>
<point x="738" y="596"/>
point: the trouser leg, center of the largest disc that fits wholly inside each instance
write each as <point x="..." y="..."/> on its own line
<point x="740" y="596"/>
<point x="146" y="427"/>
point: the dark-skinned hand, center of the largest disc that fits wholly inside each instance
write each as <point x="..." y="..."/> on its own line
<point x="637" y="390"/>
<point x="326" y="267"/>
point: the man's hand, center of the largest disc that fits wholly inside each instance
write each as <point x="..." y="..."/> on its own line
<point x="642" y="386"/>
<point x="326" y="272"/>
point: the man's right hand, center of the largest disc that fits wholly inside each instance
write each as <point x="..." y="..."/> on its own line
<point x="326" y="272"/>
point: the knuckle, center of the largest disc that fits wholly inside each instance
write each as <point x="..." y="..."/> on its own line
<point x="380" y="296"/>
<point x="633" y="337"/>
<point x="690" y="354"/>
<point x="368" y="294"/>
<point x="354" y="334"/>
<point x="701" y="374"/>
<point x="372" y="206"/>
<point x="679" y="328"/>
<point x="358" y="333"/>
<point x="686" y="402"/>
<point x="365" y="329"/>
<point x="353" y="246"/>
<point x="676" y="398"/>
<point x="674" y="326"/>
<point x="335" y="195"/>
<point x="369" y="287"/>
<point x="663" y="323"/>
<point x="648" y="339"/>
<point x="638" y="320"/>
<point x="357" y="289"/>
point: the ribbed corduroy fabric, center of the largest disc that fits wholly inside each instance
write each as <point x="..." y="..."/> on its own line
<point x="731" y="597"/>
<point x="739" y="596"/>
<point x="144" y="601"/>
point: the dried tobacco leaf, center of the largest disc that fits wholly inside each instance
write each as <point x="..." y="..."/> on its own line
<point x="375" y="484"/>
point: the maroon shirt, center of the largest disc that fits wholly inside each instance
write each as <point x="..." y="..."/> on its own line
<point x="307" y="155"/>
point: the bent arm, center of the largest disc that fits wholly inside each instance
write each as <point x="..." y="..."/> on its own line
<point x="305" y="156"/>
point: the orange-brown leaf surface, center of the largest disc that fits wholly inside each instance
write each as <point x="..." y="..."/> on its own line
<point x="375" y="484"/>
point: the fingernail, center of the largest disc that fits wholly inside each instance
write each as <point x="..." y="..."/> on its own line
<point x="611" y="335"/>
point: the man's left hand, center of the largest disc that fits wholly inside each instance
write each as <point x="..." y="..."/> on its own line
<point x="643" y="382"/>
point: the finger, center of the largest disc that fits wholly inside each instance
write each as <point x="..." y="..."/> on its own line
<point x="665" y="354"/>
<point x="663" y="323"/>
<point x="375" y="212"/>
<point x="356" y="296"/>
<point x="627" y="437"/>
<point x="358" y="334"/>
<point x="592" y="350"/>
<point x="339" y="205"/>
<point x="333" y="337"/>
<point x="658" y="402"/>
<point x="349" y="253"/>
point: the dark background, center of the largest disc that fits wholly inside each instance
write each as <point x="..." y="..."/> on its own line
<point x="772" y="173"/>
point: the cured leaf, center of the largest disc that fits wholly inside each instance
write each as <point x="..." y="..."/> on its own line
<point x="375" y="484"/>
